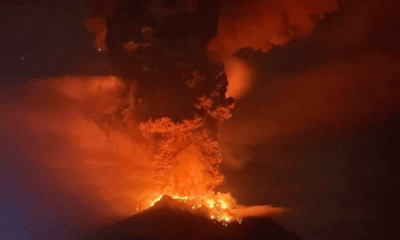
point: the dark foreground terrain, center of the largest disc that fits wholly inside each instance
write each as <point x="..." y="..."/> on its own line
<point x="166" y="220"/>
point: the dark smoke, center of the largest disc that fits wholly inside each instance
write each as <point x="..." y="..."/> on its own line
<point x="314" y="126"/>
<point x="296" y="138"/>
<point x="75" y="170"/>
<point x="336" y="77"/>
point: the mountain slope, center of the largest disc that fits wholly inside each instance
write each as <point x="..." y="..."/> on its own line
<point x="169" y="219"/>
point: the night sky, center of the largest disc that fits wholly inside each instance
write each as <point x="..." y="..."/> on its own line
<point x="47" y="38"/>
<point x="39" y="38"/>
<point x="317" y="132"/>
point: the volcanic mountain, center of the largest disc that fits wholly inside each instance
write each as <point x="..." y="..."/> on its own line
<point x="172" y="219"/>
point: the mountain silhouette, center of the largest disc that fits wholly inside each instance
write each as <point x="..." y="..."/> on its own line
<point x="171" y="219"/>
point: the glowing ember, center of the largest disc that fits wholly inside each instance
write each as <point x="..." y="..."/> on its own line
<point x="216" y="210"/>
<point x="156" y="200"/>
<point x="222" y="208"/>
<point x="186" y="159"/>
<point x="177" y="159"/>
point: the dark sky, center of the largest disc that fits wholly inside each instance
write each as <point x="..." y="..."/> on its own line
<point x="39" y="38"/>
<point x="42" y="38"/>
<point x="316" y="133"/>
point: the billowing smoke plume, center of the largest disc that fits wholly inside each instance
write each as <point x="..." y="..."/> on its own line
<point x="116" y="144"/>
<point x="261" y="25"/>
<point x="57" y="127"/>
<point x="256" y="24"/>
<point x="81" y="135"/>
<point x="338" y="80"/>
<point x="95" y="134"/>
<point x="305" y="117"/>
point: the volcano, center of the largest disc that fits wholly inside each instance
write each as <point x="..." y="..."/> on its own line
<point x="172" y="219"/>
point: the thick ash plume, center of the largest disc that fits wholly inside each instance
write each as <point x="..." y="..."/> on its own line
<point x="57" y="126"/>
<point x="339" y="80"/>
<point x="86" y="131"/>
<point x="71" y="127"/>
<point x="333" y="80"/>
<point x="349" y="91"/>
<point x="261" y="25"/>
<point x="316" y="95"/>
<point x="256" y="24"/>
<point x="136" y="37"/>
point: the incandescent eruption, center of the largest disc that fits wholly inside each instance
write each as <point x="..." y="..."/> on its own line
<point x="170" y="219"/>
<point x="120" y="144"/>
<point x="176" y="96"/>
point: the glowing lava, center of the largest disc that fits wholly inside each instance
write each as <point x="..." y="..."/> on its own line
<point x="221" y="208"/>
<point x="218" y="209"/>
<point x="186" y="159"/>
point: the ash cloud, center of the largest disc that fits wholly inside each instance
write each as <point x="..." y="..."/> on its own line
<point x="335" y="77"/>
<point x="345" y="91"/>
<point x="312" y="101"/>
<point x="262" y="25"/>
<point x="256" y="24"/>
<point x="53" y="139"/>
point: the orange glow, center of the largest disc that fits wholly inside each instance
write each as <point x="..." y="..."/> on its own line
<point x="216" y="209"/>
<point x="97" y="26"/>
<point x="190" y="183"/>
<point x="348" y="91"/>
<point x="99" y="160"/>
<point x="261" y="25"/>
<point x="240" y="78"/>
<point x="264" y="24"/>
<point x="222" y="207"/>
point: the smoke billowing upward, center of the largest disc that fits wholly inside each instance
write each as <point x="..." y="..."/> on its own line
<point x="255" y="24"/>
<point x="315" y="99"/>
<point x="112" y="145"/>
<point x="337" y="79"/>
<point x="69" y="129"/>
<point x="55" y="125"/>
<point x="261" y="25"/>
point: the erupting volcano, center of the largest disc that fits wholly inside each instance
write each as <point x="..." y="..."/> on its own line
<point x="174" y="96"/>
<point x="170" y="219"/>
<point x="197" y="119"/>
<point x="187" y="162"/>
